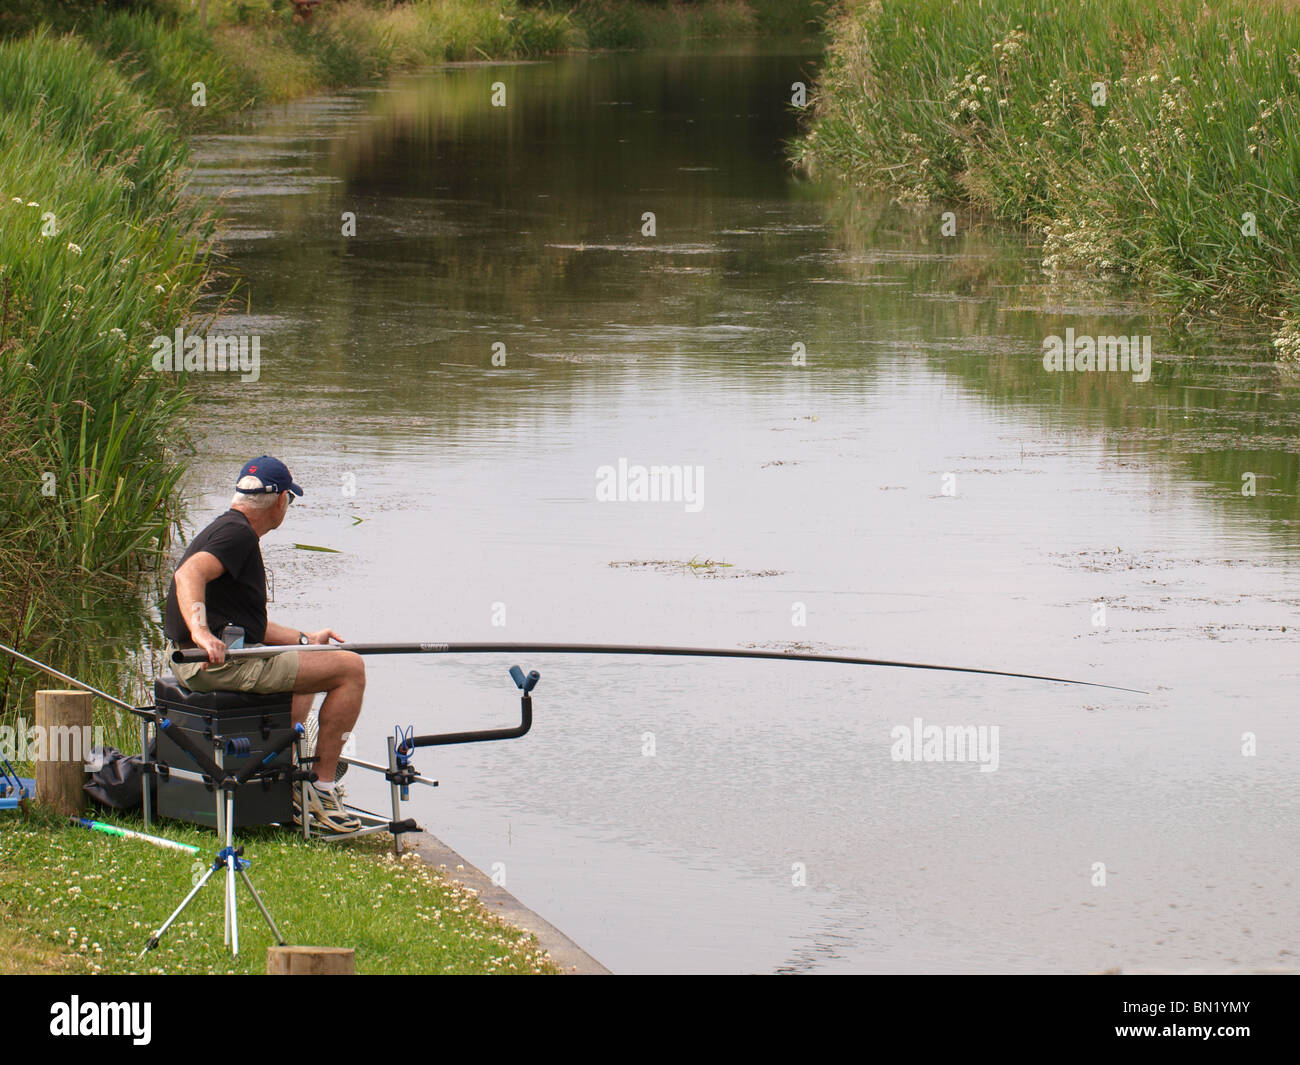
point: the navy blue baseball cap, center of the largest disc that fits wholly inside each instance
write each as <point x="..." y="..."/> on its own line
<point x="273" y="474"/>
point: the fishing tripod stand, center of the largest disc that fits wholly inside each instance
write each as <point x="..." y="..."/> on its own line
<point x="229" y="857"/>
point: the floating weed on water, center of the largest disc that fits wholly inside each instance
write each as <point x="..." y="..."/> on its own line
<point x="314" y="547"/>
<point x="702" y="567"/>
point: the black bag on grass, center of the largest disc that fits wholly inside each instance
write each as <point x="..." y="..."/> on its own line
<point x="118" y="783"/>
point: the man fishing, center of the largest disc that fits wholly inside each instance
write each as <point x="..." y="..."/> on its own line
<point x="221" y="582"/>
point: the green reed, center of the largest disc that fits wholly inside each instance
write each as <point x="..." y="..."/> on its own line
<point x="1156" y="141"/>
<point x="99" y="253"/>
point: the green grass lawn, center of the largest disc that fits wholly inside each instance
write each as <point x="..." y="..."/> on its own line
<point x="74" y="901"/>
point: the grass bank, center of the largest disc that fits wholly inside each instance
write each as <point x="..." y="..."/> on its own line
<point x="78" y="901"/>
<point x="1152" y="141"/>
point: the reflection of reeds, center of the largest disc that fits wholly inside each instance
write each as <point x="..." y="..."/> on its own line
<point x="983" y="310"/>
<point x="997" y="104"/>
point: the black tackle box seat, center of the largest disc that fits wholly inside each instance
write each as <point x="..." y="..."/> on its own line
<point x="170" y="692"/>
<point x="256" y="723"/>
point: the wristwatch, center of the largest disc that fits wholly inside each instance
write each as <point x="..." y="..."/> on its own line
<point x="302" y="639"/>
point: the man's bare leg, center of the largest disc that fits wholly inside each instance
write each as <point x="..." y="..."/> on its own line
<point x="342" y="676"/>
<point x="301" y="707"/>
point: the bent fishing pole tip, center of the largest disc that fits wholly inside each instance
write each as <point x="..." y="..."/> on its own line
<point x="1019" y="676"/>
<point x="1098" y="684"/>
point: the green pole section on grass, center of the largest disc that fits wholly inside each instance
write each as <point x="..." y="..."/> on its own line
<point x="126" y="833"/>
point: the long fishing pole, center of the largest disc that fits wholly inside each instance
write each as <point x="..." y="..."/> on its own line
<point x="71" y="680"/>
<point x="197" y="654"/>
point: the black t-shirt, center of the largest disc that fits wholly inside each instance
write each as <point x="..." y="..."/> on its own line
<point x="238" y="596"/>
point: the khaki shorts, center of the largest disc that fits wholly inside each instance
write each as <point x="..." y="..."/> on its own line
<point x="263" y="676"/>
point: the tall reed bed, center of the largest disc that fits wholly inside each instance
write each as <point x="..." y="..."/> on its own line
<point x="631" y="24"/>
<point x="256" y="52"/>
<point x="1151" y="140"/>
<point x="348" y="42"/>
<point x="167" y="54"/>
<point x="99" y="252"/>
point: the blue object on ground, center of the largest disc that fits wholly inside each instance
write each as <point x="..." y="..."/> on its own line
<point x="13" y="787"/>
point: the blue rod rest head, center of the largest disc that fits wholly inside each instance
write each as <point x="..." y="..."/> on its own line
<point x="404" y="736"/>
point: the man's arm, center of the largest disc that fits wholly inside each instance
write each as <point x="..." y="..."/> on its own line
<point x="282" y="634"/>
<point x="191" y="597"/>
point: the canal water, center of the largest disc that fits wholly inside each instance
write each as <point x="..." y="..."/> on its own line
<point x="877" y="462"/>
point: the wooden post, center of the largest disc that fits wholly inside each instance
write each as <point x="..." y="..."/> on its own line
<point x="311" y="961"/>
<point x="63" y="747"/>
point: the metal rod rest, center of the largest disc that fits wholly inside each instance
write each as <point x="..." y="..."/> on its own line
<point x="483" y="735"/>
<point x="376" y="767"/>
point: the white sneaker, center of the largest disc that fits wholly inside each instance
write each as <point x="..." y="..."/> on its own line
<point x="327" y="811"/>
